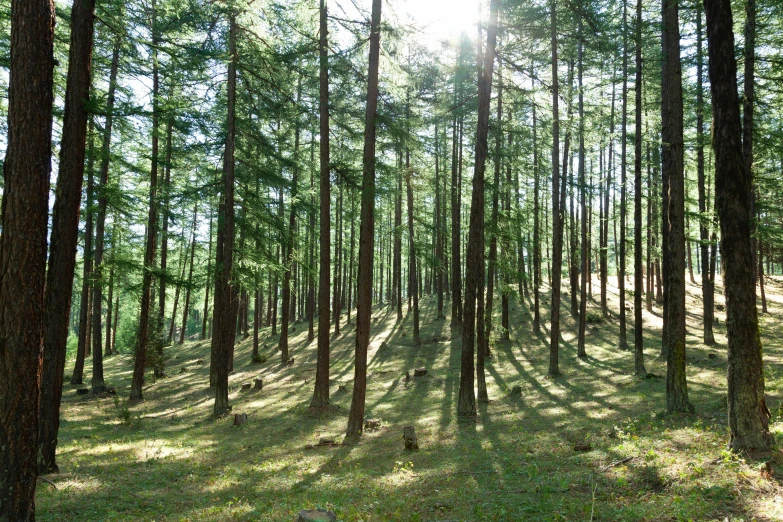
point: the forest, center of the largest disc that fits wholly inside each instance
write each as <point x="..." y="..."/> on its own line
<point x="369" y="260"/>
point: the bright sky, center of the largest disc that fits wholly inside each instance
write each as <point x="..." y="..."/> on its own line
<point x="441" y="19"/>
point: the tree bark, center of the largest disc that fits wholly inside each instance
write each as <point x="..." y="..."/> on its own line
<point x="748" y="413"/>
<point x="98" y="385"/>
<point x="190" y="275"/>
<point x="674" y="206"/>
<point x="224" y="276"/>
<point x="366" y="232"/>
<point x="65" y="218"/>
<point x="456" y="204"/>
<point x="536" y="222"/>
<point x="149" y="251"/>
<point x="412" y="254"/>
<point x="27" y="168"/>
<point x="291" y="241"/>
<point x="585" y="257"/>
<point x="475" y="252"/>
<point x="77" y="377"/>
<point x="321" y="392"/>
<point x="638" y="337"/>
<point x="557" y="219"/>
<point x="707" y="284"/>
<point x="623" y="183"/>
<point x="209" y="276"/>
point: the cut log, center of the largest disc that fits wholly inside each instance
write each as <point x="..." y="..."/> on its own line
<point x="246" y="386"/>
<point x="409" y="436"/>
<point x="316" y="515"/>
<point x="420" y="372"/>
<point x="259" y="384"/>
<point x="240" y="419"/>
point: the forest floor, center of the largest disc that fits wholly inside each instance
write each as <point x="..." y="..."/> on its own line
<point x="592" y="444"/>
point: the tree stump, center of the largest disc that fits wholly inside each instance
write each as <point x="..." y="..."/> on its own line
<point x="316" y="515"/>
<point x="409" y="436"/>
<point x="259" y="384"/>
<point x="420" y="372"/>
<point x="372" y="424"/>
<point x="407" y="376"/>
<point x="240" y="419"/>
<point x="516" y="390"/>
<point x="82" y="391"/>
<point x="246" y="386"/>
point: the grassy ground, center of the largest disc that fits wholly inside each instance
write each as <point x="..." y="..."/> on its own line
<point x="523" y="458"/>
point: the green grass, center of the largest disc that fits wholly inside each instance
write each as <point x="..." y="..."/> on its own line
<point x="167" y="459"/>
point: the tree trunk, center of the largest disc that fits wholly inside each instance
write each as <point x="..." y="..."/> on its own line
<point x="98" y="385"/>
<point x="604" y="247"/>
<point x="623" y="182"/>
<point x="707" y="284"/>
<point x="291" y="241"/>
<point x="536" y="221"/>
<point x="638" y="337"/>
<point x="109" y="304"/>
<point x="180" y="276"/>
<point x="77" y="377"/>
<point x="456" y="204"/>
<point x="412" y="254"/>
<point x="190" y="276"/>
<point x="149" y="251"/>
<point x="209" y="276"/>
<point x="674" y="219"/>
<point x="225" y="298"/>
<point x="475" y="253"/>
<point x="338" y="255"/>
<point x="366" y="232"/>
<point x="65" y="218"/>
<point x="321" y="392"/>
<point x="492" y="264"/>
<point x="27" y="168"/>
<point x="748" y="413"/>
<point x="585" y="257"/>
<point x="557" y="220"/>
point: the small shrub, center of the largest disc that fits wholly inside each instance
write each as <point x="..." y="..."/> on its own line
<point x="123" y="412"/>
<point x="594" y="318"/>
